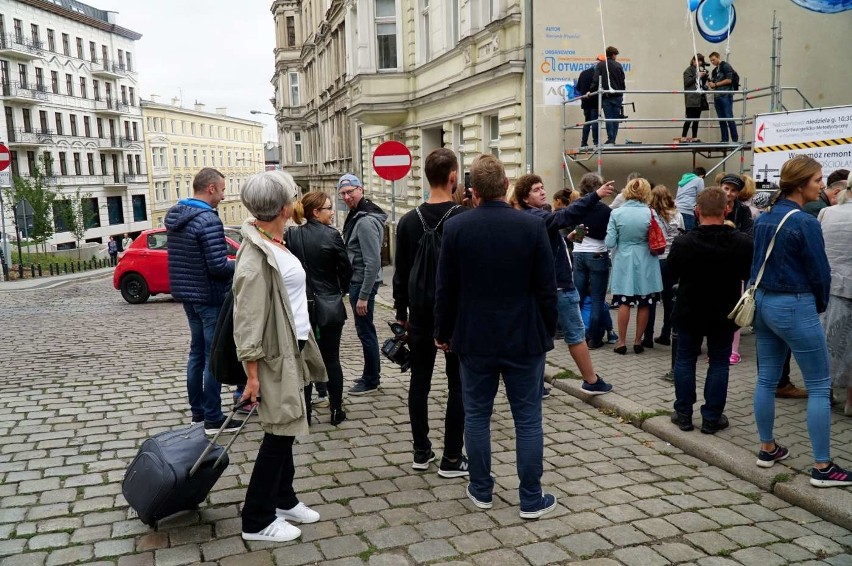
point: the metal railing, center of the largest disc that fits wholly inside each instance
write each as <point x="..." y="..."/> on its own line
<point x="109" y="66"/>
<point x="23" y="90"/>
<point x="113" y="142"/>
<point x="135" y="177"/>
<point x="14" y="41"/>
<point x="23" y="136"/>
<point x="111" y="104"/>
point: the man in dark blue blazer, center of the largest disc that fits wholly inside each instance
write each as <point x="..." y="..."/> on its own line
<point x="496" y="308"/>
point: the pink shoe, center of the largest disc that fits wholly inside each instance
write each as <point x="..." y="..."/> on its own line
<point x="735" y="358"/>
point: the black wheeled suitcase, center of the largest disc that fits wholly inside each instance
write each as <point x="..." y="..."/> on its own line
<point x="175" y="470"/>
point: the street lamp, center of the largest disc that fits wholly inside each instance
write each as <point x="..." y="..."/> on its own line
<point x="259" y="112"/>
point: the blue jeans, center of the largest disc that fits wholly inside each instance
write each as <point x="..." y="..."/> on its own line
<point x="366" y="331"/>
<point x="688" y="221"/>
<point x="611" y="106"/>
<point x="570" y="319"/>
<point x="667" y="296"/>
<point x="790" y="320"/>
<point x="591" y="276"/>
<point x="523" y="377"/>
<point x="203" y="389"/>
<point x="716" y="382"/>
<point x="725" y="109"/>
<point x="590" y="115"/>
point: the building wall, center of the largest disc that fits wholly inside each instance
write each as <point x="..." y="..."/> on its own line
<point x="656" y="46"/>
<point x="114" y="118"/>
<point x="180" y="141"/>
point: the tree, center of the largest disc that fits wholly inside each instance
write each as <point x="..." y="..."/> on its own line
<point x="35" y="189"/>
<point x="76" y="216"/>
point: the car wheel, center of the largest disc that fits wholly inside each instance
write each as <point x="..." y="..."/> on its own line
<point x="134" y="289"/>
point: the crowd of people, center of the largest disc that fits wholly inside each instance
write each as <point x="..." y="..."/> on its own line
<point x="486" y="279"/>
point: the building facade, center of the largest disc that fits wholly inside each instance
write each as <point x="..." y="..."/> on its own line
<point x="181" y="141"/>
<point x="71" y="108"/>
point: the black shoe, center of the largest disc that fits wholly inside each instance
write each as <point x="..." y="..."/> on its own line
<point x="361" y="388"/>
<point x="648" y="343"/>
<point x="422" y="459"/>
<point x="683" y="422"/>
<point x="620" y="350"/>
<point x="337" y="416"/>
<point x="663" y="340"/>
<point x="596" y="345"/>
<point x="457" y="469"/>
<point x="197" y="419"/>
<point x="638" y="348"/>
<point x="712" y="427"/>
<point x="545" y="392"/>
<point x="211" y="428"/>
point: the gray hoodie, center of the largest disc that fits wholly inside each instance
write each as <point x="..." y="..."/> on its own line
<point x="363" y="233"/>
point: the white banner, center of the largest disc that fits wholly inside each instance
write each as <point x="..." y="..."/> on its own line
<point x="822" y="133"/>
<point x="6" y="178"/>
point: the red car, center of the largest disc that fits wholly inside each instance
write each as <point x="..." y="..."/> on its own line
<point x="143" y="268"/>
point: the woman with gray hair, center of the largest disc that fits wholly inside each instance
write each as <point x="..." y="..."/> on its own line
<point x="837" y="230"/>
<point x="273" y="336"/>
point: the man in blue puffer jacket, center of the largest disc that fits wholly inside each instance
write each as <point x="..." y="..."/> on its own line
<point x="200" y="276"/>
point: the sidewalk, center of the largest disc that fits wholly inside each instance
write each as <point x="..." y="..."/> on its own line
<point x="48" y="282"/>
<point x="641" y="396"/>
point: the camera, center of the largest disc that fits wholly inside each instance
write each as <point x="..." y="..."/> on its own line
<point x="394" y="348"/>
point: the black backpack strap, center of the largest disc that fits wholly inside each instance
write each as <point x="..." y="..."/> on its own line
<point x="426" y="227"/>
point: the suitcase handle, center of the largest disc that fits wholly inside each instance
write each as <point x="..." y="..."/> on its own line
<point x="212" y="443"/>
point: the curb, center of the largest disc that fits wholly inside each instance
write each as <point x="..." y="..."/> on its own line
<point x="55" y="281"/>
<point x="833" y="505"/>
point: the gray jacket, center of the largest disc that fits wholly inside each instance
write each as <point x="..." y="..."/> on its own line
<point x="363" y="234"/>
<point x="690" y="82"/>
<point x="837" y="229"/>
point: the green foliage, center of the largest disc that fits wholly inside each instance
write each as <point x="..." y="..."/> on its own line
<point x="76" y="216"/>
<point x="35" y="189"/>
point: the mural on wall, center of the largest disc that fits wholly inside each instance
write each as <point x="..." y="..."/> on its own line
<point x="715" y="19"/>
<point x="825" y="6"/>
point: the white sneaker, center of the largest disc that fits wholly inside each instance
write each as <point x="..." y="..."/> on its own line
<point x="278" y="530"/>
<point x="301" y="513"/>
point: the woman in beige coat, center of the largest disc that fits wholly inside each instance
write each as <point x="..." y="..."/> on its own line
<point x="274" y="340"/>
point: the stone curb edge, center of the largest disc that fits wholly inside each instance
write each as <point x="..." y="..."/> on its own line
<point x="53" y="282"/>
<point x="833" y="505"/>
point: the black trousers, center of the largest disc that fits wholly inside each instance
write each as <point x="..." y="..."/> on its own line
<point x="329" y="346"/>
<point x="271" y="483"/>
<point x="691" y="113"/>
<point x="423" y="353"/>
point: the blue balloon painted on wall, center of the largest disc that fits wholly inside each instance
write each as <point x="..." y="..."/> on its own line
<point x="715" y="19"/>
<point x="825" y="6"/>
<point x="693" y="5"/>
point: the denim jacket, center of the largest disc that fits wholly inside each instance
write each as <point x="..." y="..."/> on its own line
<point x="798" y="263"/>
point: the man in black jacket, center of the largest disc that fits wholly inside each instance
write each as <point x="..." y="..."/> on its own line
<point x="495" y="306"/>
<point x="589" y="104"/>
<point x="609" y="75"/>
<point x="442" y="170"/>
<point x="710" y="263"/>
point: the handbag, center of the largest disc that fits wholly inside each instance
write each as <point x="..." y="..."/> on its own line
<point x="704" y="104"/>
<point x="656" y="238"/>
<point x="224" y="364"/>
<point x="323" y="310"/>
<point x="743" y="312"/>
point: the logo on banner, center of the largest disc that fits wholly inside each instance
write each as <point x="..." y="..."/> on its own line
<point x="760" y="130"/>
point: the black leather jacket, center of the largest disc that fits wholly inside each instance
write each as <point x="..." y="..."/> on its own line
<point x="321" y="250"/>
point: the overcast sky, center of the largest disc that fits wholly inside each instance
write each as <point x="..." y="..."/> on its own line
<point x="218" y="52"/>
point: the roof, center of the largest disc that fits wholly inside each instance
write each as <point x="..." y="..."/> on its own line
<point x="85" y="14"/>
<point x="271" y="154"/>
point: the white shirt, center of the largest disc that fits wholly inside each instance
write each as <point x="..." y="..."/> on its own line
<point x="293" y="277"/>
<point x="590" y="245"/>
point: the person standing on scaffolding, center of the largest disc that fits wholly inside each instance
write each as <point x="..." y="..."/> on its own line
<point x="589" y="104"/>
<point x="694" y="79"/>
<point x="721" y="82"/>
<point x="609" y="75"/>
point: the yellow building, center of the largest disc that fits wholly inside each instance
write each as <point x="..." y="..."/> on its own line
<point x="181" y="141"/>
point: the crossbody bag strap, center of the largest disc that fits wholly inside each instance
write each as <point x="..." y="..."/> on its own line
<point x="772" y="245"/>
<point x="305" y="265"/>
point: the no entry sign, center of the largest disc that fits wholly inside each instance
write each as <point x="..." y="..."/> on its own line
<point x="6" y="158"/>
<point x="392" y="160"/>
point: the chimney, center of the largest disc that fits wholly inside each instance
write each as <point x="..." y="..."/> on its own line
<point x="155" y="98"/>
<point x="175" y="101"/>
<point x="223" y="110"/>
<point x="111" y="17"/>
<point x="199" y="107"/>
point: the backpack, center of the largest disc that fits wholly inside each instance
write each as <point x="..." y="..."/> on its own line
<point x="735" y="77"/>
<point x="224" y="364"/>
<point x="424" y="267"/>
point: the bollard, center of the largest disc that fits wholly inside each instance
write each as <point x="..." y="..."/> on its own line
<point x="32" y="270"/>
<point x="78" y="266"/>
<point x="72" y="267"/>
<point x="50" y="265"/>
<point x="20" y="270"/>
<point x="40" y="272"/>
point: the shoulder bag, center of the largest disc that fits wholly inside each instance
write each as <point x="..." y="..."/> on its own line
<point x="743" y="313"/>
<point x="323" y="310"/>
<point x="656" y="238"/>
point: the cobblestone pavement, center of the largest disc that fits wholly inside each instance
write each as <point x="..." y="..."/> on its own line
<point x="87" y="377"/>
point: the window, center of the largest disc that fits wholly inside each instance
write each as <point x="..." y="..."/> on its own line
<point x="454" y="6"/>
<point x="121" y="59"/>
<point x="386" y="34"/>
<point x="130" y="164"/>
<point x="96" y="89"/>
<point x="100" y="124"/>
<point x="138" y="160"/>
<point x="93" y="52"/>
<point x="19" y="31"/>
<point x="83" y="91"/>
<point x="69" y="85"/>
<point x="295" y="99"/>
<point x="73" y="119"/>
<point x="35" y="35"/>
<point x="54" y="82"/>
<point x="195" y="158"/>
<point x="105" y="53"/>
<point x="291" y="31"/>
<point x="186" y="158"/>
<point x="61" y="214"/>
<point x="47" y="160"/>
<point x="66" y="44"/>
<point x="123" y="94"/>
<point x="297" y="147"/>
<point x="51" y="40"/>
<point x="175" y="156"/>
<point x="92" y="217"/>
<point x="132" y="96"/>
<point x="103" y="164"/>
<point x="115" y="211"/>
<point x="90" y="162"/>
<point x="135" y="131"/>
<point x="426" y="30"/>
<point x="77" y="167"/>
<point x="177" y="188"/>
<point x="493" y="123"/>
<point x="126" y="130"/>
<point x="22" y="75"/>
<point x="192" y="128"/>
<point x="80" y="48"/>
<point x="58" y="118"/>
<point x="42" y="119"/>
<point x="129" y="61"/>
<point x="204" y="158"/>
<point x="63" y="166"/>
<point x="39" y="72"/>
<point x="28" y="121"/>
<point x="87" y="127"/>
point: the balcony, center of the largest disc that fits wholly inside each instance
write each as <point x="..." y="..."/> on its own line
<point x="29" y="139"/>
<point x="113" y="143"/>
<point x="73" y="180"/>
<point x="23" y="93"/>
<point x="110" y="107"/>
<point x="381" y="99"/>
<point x="114" y="181"/>
<point x="136" y="178"/>
<point x="108" y="70"/>
<point x="17" y="47"/>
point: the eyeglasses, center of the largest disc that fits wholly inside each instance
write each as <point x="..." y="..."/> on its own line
<point x="348" y="193"/>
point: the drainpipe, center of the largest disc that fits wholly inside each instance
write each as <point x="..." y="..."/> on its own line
<point x="528" y="83"/>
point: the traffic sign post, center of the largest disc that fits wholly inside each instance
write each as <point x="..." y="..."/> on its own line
<point x="5" y="181"/>
<point x="392" y="162"/>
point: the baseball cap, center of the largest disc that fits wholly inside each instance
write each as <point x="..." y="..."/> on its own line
<point x="734" y="180"/>
<point x="349" y="180"/>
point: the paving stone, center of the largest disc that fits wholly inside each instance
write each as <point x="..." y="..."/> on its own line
<point x="756" y="556"/>
<point x="840" y="560"/>
<point x="143" y="559"/>
<point x="474" y="542"/>
<point x="490" y="558"/>
<point x="52" y="540"/>
<point x="677" y="552"/>
<point x="178" y="555"/>
<point x="118" y="547"/>
<point x="656" y="528"/>
<point x="717" y="561"/>
<point x="441" y="528"/>
<point x="152" y="541"/>
<point x="186" y="535"/>
<point x="389" y="559"/>
<point x="514" y="536"/>
<point x="71" y="555"/>
<point x="13" y="546"/>
<point x="640" y="556"/>
<point x="431" y="550"/>
<point x="258" y="558"/>
<point x="584" y="544"/>
<point x="543" y="553"/>
<point x="691" y="522"/>
<point x="623" y="535"/>
<point x="394" y="536"/>
<point x="747" y="535"/>
<point x="346" y="545"/>
<point x="724" y="517"/>
<point x="790" y="552"/>
<point x="28" y="559"/>
<point x="305" y="553"/>
<point x="817" y="544"/>
<point x="711" y="542"/>
<point x="90" y="534"/>
<point x="317" y="531"/>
